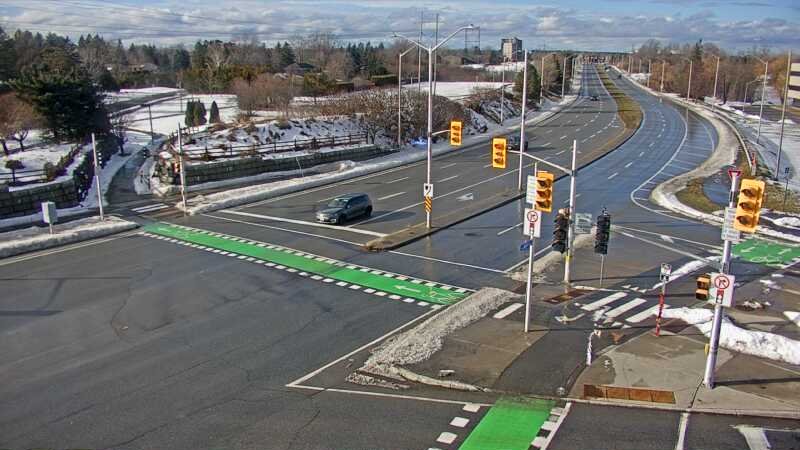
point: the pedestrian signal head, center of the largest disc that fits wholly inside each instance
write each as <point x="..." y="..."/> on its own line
<point x="748" y="206"/>
<point x="560" y="233"/>
<point x="703" y="284"/>
<point x="499" y="146"/>
<point x="602" y="234"/>
<point x="455" y="132"/>
<point x="544" y="191"/>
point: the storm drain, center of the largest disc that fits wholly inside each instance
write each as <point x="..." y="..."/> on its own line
<point x="569" y="295"/>
<point x="628" y="393"/>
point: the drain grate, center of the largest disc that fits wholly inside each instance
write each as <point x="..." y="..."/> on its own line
<point x="567" y="296"/>
<point x="628" y="393"/>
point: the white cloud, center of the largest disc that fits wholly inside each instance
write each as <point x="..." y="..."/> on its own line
<point x="170" y="22"/>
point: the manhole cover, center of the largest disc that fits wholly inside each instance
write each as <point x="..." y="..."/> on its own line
<point x="566" y="296"/>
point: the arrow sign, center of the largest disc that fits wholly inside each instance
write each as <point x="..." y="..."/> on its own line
<point x="525" y="245"/>
<point x="466" y="197"/>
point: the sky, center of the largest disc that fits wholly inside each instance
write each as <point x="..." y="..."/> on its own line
<point x="593" y="25"/>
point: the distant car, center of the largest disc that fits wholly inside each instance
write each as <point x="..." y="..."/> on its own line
<point x="345" y="207"/>
<point x="512" y="143"/>
<point x="594" y="98"/>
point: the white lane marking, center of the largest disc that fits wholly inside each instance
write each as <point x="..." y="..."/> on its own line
<point x="641" y="154"/>
<point x="549" y="131"/>
<point x="328" y="198"/>
<point x="500" y="233"/>
<point x="704" y="244"/>
<point x="149" y="208"/>
<point x="488" y="165"/>
<point x="666" y="238"/>
<point x="459" y="422"/>
<point x="446" y="438"/>
<point x="303" y="222"/>
<point x="472" y="407"/>
<point x="545" y="144"/>
<point x="563" y="137"/>
<point x="638" y="317"/>
<point x="508" y="310"/>
<point x="793" y="316"/>
<point x="448" y="165"/>
<point x="562" y="151"/>
<point x="557" y="425"/>
<point x="387" y="197"/>
<point x="625" y="307"/>
<point x="316" y="372"/>
<point x="317" y="236"/>
<point x="629" y="164"/>
<point x="399" y="179"/>
<point x="443" y="261"/>
<point x="603" y="301"/>
<point x="754" y="436"/>
<point x="448" y="179"/>
<point x="613" y="175"/>
<point x="666" y="247"/>
<point x="66" y="248"/>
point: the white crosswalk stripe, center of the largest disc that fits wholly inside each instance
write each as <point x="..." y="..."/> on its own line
<point x="604" y="301"/>
<point x="619" y="310"/>
<point x="647" y="313"/>
<point x="150" y="208"/>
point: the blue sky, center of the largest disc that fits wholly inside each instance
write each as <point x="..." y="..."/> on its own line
<point x="577" y="24"/>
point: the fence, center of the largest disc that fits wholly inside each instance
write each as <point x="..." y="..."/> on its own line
<point x="235" y="151"/>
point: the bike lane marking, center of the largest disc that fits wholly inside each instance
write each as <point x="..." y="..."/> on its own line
<point x="767" y="253"/>
<point x="380" y="283"/>
<point x="510" y="424"/>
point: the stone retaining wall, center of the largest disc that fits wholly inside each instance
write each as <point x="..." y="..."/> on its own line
<point x="244" y="167"/>
<point x="28" y="201"/>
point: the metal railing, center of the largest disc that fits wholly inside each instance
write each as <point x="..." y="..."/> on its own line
<point x="236" y="151"/>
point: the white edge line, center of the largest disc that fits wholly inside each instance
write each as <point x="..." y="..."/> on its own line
<point x="303" y="222"/>
<point x="560" y="420"/>
<point x="316" y="372"/>
<point x="75" y="246"/>
<point x="508" y="310"/>
<point x="526" y="260"/>
<point x="682" y="431"/>
<point x="385" y="395"/>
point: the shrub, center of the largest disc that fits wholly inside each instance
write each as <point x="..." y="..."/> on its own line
<point x="283" y="124"/>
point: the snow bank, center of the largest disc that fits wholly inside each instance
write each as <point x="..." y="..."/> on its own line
<point x="419" y="343"/>
<point x="458" y="90"/>
<point x="756" y="343"/>
<point x="35" y="238"/>
<point x="683" y="270"/>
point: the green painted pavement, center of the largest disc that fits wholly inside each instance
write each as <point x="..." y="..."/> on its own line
<point x="511" y="424"/>
<point x="767" y="253"/>
<point x="328" y="268"/>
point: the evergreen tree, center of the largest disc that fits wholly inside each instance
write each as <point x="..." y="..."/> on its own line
<point x="188" y="119"/>
<point x="107" y="82"/>
<point x="534" y="84"/>
<point x="287" y="55"/>
<point x="214" y="115"/>
<point x="7" y="57"/>
<point x="199" y="114"/>
<point x="62" y="93"/>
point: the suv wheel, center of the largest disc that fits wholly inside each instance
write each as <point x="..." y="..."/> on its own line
<point x="368" y="211"/>
<point x="340" y="219"/>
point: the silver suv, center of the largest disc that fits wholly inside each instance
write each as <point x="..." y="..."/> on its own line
<point x="344" y="208"/>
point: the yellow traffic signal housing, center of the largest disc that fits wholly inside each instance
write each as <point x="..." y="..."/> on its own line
<point x="748" y="206"/>
<point x="455" y="132"/>
<point x="499" y="146"/>
<point x="544" y="191"/>
<point x="703" y="284"/>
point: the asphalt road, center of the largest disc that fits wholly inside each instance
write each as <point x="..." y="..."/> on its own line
<point x="459" y="178"/>
<point x="136" y="342"/>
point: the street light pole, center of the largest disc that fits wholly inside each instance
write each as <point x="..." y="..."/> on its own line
<point x="716" y="76"/>
<point x="541" y="83"/>
<point x="431" y="52"/>
<point x="763" y="91"/>
<point x="783" y="115"/>
<point x="663" y="66"/>
<point x="502" y="89"/>
<point x="563" y="77"/>
<point x="522" y="121"/>
<point x="571" y="229"/>
<point x="399" y="97"/>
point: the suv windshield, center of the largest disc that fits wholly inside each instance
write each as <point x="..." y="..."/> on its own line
<point x="338" y="203"/>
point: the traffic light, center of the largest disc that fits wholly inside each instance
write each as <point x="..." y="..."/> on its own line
<point x="499" y="153"/>
<point x="560" y="233"/>
<point x="602" y="234"/>
<point x="455" y="132"/>
<point x="703" y="284"/>
<point x="749" y="205"/>
<point x="544" y="191"/>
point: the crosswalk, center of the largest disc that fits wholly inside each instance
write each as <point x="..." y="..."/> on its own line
<point x="621" y="309"/>
<point x="150" y="208"/>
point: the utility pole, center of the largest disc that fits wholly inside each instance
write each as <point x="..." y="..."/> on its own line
<point x="541" y="83"/>
<point x="711" y="362"/>
<point x="419" y="56"/>
<point x="563" y="77"/>
<point x="150" y="115"/>
<point x="663" y="66"/>
<point x="435" y="42"/>
<point x="502" y="89"/>
<point x="182" y="169"/>
<point x="522" y="120"/>
<point x="716" y="76"/>
<point x="783" y="114"/>
<point x="97" y="178"/>
<point x="571" y="233"/>
<point x="763" y="93"/>
<point x="399" y="96"/>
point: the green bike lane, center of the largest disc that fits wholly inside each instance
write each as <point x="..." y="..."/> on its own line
<point x="768" y="253"/>
<point x="510" y="424"/>
<point x="326" y="270"/>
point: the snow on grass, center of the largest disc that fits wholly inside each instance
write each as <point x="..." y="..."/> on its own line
<point x="458" y="90"/>
<point x="133" y="94"/>
<point x="36" y="238"/>
<point x="168" y="114"/>
<point x="683" y="270"/>
<point x="756" y="343"/>
<point x="793" y="316"/>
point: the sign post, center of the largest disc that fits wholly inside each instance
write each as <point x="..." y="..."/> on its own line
<point x="97" y="178"/>
<point x="666" y="271"/>
<point x="49" y="214"/>
<point x="711" y="361"/>
<point x="537" y="215"/>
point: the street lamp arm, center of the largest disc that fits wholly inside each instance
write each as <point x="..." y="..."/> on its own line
<point x="408" y="50"/>
<point x="468" y="27"/>
<point x="418" y="44"/>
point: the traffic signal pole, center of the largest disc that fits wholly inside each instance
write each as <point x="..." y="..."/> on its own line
<point x="529" y="287"/>
<point x="711" y="361"/>
<point x="571" y="230"/>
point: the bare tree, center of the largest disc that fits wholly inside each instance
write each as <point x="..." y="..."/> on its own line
<point x="17" y="119"/>
<point x="265" y="92"/>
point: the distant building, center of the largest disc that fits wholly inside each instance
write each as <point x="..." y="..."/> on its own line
<point x="511" y="48"/>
